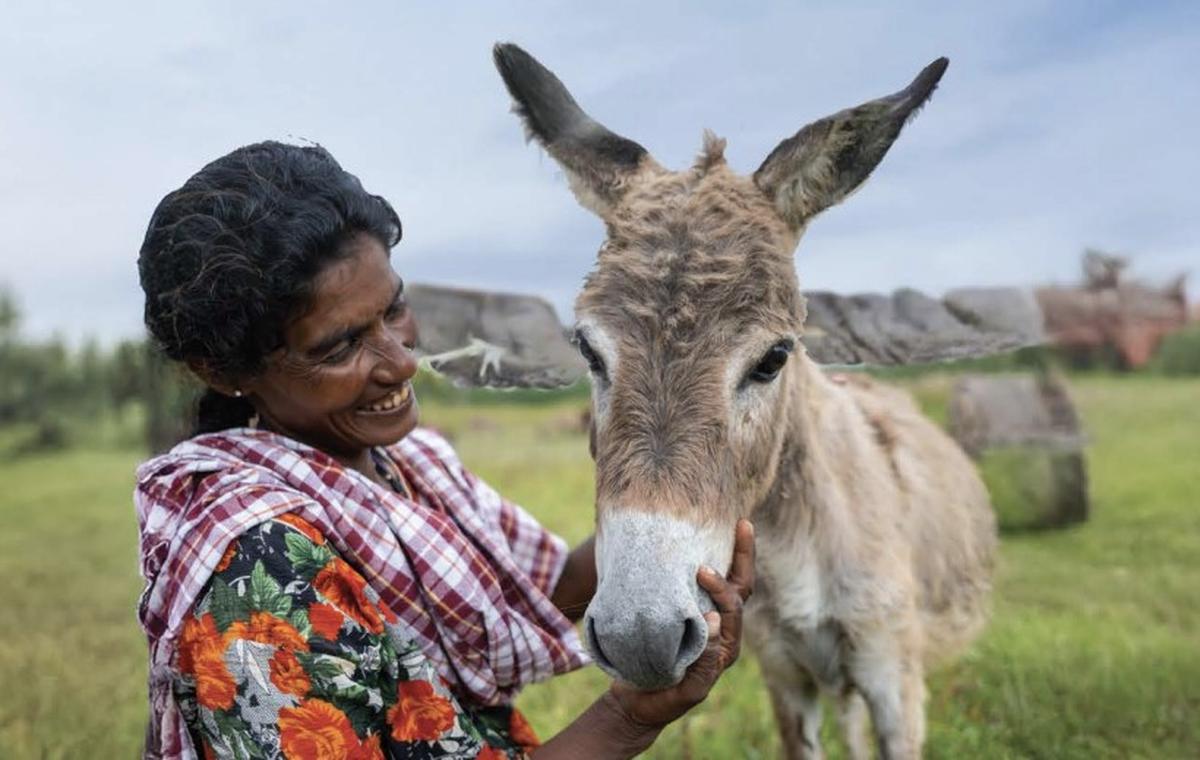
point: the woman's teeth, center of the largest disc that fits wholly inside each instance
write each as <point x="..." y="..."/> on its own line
<point x="395" y="399"/>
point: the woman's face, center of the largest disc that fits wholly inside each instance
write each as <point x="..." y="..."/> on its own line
<point x="341" y="381"/>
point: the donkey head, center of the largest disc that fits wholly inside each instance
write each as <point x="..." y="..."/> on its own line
<point x="687" y="323"/>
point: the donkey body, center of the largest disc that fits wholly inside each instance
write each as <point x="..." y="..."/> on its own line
<point x="875" y="533"/>
<point x="875" y="552"/>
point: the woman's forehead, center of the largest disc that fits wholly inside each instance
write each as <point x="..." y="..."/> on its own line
<point x="349" y="292"/>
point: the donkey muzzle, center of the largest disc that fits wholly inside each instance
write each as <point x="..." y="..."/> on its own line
<point x="646" y="623"/>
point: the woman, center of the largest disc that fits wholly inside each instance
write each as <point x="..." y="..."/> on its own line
<point x="324" y="578"/>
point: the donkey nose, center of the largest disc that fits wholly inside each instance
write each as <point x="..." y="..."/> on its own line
<point x="649" y="651"/>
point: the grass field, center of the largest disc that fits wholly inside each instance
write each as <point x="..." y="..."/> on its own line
<point x="1093" y="651"/>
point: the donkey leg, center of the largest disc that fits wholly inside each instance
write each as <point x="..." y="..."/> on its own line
<point x="893" y="684"/>
<point x="852" y="719"/>
<point x="797" y="703"/>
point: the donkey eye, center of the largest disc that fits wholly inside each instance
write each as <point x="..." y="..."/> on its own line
<point x="594" y="362"/>
<point x="771" y="362"/>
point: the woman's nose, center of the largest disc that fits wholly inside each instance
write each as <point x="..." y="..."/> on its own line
<point x="396" y="360"/>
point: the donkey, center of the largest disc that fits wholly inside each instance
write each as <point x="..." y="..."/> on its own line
<point x="875" y="534"/>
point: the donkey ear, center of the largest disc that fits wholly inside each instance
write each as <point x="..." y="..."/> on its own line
<point x="828" y="159"/>
<point x="596" y="161"/>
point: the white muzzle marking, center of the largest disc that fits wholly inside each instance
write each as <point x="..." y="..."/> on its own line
<point x="645" y="625"/>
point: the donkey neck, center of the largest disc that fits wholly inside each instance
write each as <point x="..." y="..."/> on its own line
<point x="827" y="440"/>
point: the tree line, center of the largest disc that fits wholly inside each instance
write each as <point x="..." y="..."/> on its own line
<point x="52" y="393"/>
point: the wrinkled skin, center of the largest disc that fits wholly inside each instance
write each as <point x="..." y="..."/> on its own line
<point x="351" y="348"/>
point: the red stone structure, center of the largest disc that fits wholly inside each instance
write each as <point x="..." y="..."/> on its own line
<point x="1110" y="313"/>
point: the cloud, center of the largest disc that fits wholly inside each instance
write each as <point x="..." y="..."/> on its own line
<point x="1059" y="125"/>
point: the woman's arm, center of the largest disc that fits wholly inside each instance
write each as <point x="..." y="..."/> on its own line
<point x="577" y="584"/>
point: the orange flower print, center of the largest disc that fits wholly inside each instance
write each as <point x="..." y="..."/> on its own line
<point x="344" y="588"/>
<point x="287" y="674"/>
<point x="316" y="730"/>
<point x="227" y="557"/>
<point x="215" y="687"/>
<point x="521" y="732"/>
<point x="388" y="615"/>
<point x="368" y="750"/>
<point x="325" y="620"/>
<point x="265" y="628"/>
<point x="202" y="655"/>
<point x="196" y="630"/>
<point x="491" y="753"/>
<point x="420" y="714"/>
<point x="304" y="526"/>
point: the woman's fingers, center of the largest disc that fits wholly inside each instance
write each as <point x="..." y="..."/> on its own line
<point x="729" y="593"/>
<point x="703" y="673"/>
<point x="728" y="632"/>
<point x="741" y="568"/>
<point x="723" y="594"/>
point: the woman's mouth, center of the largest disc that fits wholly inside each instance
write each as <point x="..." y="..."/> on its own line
<point x="397" y="399"/>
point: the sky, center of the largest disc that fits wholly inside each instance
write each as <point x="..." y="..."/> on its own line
<point x="1059" y="125"/>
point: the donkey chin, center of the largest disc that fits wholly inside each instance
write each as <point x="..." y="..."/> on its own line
<point x="645" y="625"/>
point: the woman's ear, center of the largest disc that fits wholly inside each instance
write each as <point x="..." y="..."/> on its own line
<point x="215" y="380"/>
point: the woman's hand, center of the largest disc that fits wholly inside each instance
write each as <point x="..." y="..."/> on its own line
<point x="658" y="708"/>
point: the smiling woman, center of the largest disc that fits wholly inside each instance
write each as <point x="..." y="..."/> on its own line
<point x="323" y="577"/>
<point x="341" y="380"/>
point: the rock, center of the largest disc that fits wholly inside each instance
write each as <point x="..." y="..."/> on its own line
<point x="911" y="328"/>
<point x="1036" y="414"/>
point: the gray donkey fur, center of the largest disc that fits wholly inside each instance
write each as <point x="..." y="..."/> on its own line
<point x="875" y="534"/>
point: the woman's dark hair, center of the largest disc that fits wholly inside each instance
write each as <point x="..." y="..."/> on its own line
<point x="232" y="255"/>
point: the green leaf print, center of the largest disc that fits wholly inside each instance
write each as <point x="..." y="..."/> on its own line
<point x="237" y="735"/>
<point x="306" y="557"/>
<point x="362" y="717"/>
<point x="265" y="593"/>
<point x="226" y="606"/>
<point x="323" y="667"/>
<point x="299" y="621"/>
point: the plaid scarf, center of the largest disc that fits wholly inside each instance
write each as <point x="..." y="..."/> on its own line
<point x="468" y="573"/>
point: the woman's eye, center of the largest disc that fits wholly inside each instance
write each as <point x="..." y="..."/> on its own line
<point x="343" y="352"/>
<point x="771" y="362"/>
<point x="397" y="310"/>
<point x="594" y="362"/>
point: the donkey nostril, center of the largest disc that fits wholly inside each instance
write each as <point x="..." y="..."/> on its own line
<point x="690" y="642"/>
<point x="594" y="640"/>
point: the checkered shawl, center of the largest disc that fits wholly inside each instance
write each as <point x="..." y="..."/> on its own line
<point x="468" y="573"/>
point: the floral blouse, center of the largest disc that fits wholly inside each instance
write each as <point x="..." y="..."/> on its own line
<point x="289" y="654"/>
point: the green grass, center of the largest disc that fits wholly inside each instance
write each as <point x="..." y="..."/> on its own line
<point x="1093" y="651"/>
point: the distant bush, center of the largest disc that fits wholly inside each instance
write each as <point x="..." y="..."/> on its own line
<point x="1179" y="353"/>
<point x="1028" y="358"/>
<point x="48" y="435"/>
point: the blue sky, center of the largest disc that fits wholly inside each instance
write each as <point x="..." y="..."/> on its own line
<point x="1058" y="125"/>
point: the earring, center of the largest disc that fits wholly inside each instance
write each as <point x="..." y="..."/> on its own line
<point x="237" y="394"/>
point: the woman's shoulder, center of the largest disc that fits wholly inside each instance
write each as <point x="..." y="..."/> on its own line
<point x="284" y="574"/>
<point x="212" y="466"/>
<point x="430" y="442"/>
<point x="232" y="446"/>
